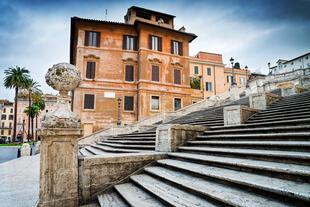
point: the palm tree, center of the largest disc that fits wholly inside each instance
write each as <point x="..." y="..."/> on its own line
<point x="32" y="87"/>
<point x="32" y="112"/>
<point x="38" y="100"/>
<point x="15" y="78"/>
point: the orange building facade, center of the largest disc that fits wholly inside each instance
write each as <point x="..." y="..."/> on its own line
<point x="141" y="66"/>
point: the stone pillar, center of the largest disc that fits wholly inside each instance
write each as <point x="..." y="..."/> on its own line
<point x="234" y="93"/>
<point x="170" y="136"/>
<point x="291" y="90"/>
<point x="59" y="134"/>
<point x="25" y="150"/>
<point x="238" y="114"/>
<point x="263" y="100"/>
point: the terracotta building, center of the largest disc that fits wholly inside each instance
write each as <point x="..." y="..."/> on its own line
<point x="209" y="76"/>
<point x="22" y="118"/>
<point x="142" y="65"/>
<point x="6" y="121"/>
<point x="143" y="61"/>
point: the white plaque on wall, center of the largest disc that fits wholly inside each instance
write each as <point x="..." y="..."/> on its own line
<point x="109" y="94"/>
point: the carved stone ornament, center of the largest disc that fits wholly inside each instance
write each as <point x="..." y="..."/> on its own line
<point x="62" y="77"/>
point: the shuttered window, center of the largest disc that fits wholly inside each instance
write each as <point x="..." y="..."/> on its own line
<point x="92" y="39"/>
<point x="155" y="102"/>
<point x="10" y="117"/>
<point x="90" y="70"/>
<point x="196" y="69"/>
<point x="176" y="47"/>
<point x="155" y="43"/>
<point x="177" y="76"/>
<point x="177" y="104"/>
<point x="208" y="71"/>
<point x="89" y="100"/>
<point x="128" y="104"/>
<point x="208" y="86"/>
<point x="230" y="79"/>
<point x="130" y="42"/>
<point x="155" y="73"/>
<point x="129" y="73"/>
<point x="3" y="117"/>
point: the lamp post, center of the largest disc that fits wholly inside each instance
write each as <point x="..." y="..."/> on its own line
<point x="246" y="76"/>
<point x="233" y="73"/>
<point x="269" y="68"/>
<point x="23" y="130"/>
<point x="119" y="111"/>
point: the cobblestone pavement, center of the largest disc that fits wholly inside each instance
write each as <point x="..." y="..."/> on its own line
<point x="19" y="182"/>
<point x="8" y="153"/>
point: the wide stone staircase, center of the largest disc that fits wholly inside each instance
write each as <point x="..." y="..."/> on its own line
<point x="145" y="141"/>
<point x="265" y="162"/>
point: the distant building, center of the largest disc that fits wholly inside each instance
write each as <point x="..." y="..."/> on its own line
<point x="22" y="118"/>
<point x="6" y="121"/>
<point x="284" y="66"/>
<point x="214" y="77"/>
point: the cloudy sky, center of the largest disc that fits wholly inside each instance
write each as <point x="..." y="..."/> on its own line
<point x="35" y="34"/>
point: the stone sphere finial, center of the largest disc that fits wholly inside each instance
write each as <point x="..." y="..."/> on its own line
<point x="63" y="77"/>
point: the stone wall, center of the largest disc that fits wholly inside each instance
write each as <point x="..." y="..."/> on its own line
<point x="97" y="173"/>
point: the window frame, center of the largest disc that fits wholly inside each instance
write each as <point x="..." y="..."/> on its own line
<point x="90" y="38"/>
<point x="176" y="44"/>
<point x="158" y="45"/>
<point x="133" y="72"/>
<point x="159" y="71"/>
<point x="174" y="80"/>
<point x="196" y="66"/>
<point x="86" y="109"/>
<point x="134" y="42"/>
<point x="174" y="102"/>
<point x="209" y="70"/>
<point x="133" y="103"/>
<point x="207" y="86"/>
<point x="94" y="74"/>
<point x="151" y="103"/>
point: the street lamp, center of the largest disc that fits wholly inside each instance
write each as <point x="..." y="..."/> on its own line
<point x="119" y="111"/>
<point x="269" y="68"/>
<point x="233" y="73"/>
<point x="246" y="75"/>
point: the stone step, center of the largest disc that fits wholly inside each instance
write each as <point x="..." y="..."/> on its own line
<point x="279" y="115"/>
<point x="133" y="138"/>
<point x="267" y="112"/>
<point x="115" y="150"/>
<point x="85" y="152"/>
<point x="131" y="142"/>
<point x="168" y="193"/>
<point x="297" y="191"/>
<point x="294" y="116"/>
<point x="287" y="106"/>
<point x="284" y="170"/>
<point x="225" y="194"/>
<point x="135" y="135"/>
<point x="270" y="155"/>
<point x="303" y="128"/>
<point x="209" y="124"/>
<point x="111" y="199"/>
<point x="96" y="151"/>
<point x="124" y="146"/>
<point x="136" y="197"/>
<point x="293" y="122"/>
<point x="291" y="103"/>
<point x="303" y="146"/>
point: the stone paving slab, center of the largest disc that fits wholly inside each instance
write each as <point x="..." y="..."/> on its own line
<point x="19" y="182"/>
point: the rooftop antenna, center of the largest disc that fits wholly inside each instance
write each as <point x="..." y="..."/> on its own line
<point x="106" y="14"/>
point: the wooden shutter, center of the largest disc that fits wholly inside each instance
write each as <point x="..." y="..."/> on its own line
<point x="172" y="46"/>
<point x="159" y="44"/>
<point x="180" y="48"/>
<point x="86" y="41"/>
<point x="98" y="39"/>
<point x="88" y="70"/>
<point x="129" y="73"/>
<point x="136" y="43"/>
<point x="150" y="42"/>
<point x="93" y="70"/>
<point x="89" y="101"/>
<point x="177" y="77"/>
<point x="155" y="73"/>
<point x="128" y="104"/>
<point x="124" y="42"/>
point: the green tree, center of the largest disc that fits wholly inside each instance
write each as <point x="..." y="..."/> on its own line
<point x="38" y="100"/>
<point x="32" y="113"/>
<point x="15" y="78"/>
<point x="195" y="83"/>
<point x="31" y="87"/>
<point x="237" y="65"/>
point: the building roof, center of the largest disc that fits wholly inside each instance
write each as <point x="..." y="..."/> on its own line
<point x="151" y="11"/>
<point x="211" y="57"/>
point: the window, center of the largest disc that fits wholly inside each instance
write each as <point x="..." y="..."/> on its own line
<point x="165" y="19"/>
<point x="11" y="111"/>
<point x="3" y="117"/>
<point x="92" y="39"/>
<point x="2" y="125"/>
<point x="128" y="104"/>
<point x="307" y="58"/>
<point x="229" y="79"/>
<point x="90" y="70"/>
<point x="196" y="69"/>
<point x="176" y="47"/>
<point x="280" y="66"/>
<point x="177" y="104"/>
<point x="155" y="73"/>
<point x="2" y="132"/>
<point x="130" y="42"/>
<point x="155" y="43"/>
<point x="155" y="102"/>
<point x="208" y="86"/>
<point x="129" y="73"/>
<point x="292" y="63"/>
<point x="10" y="125"/>
<point x="89" y="101"/>
<point x="9" y="132"/>
<point x="4" y="110"/>
<point x="10" y="117"/>
<point x="242" y="80"/>
<point x="208" y="71"/>
<point x="299" y="60"/>
<point x="177" y="77"/>
<point x="143" y="15"/>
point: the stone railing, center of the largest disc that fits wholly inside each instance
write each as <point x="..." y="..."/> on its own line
<point x="163" y="117"/>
